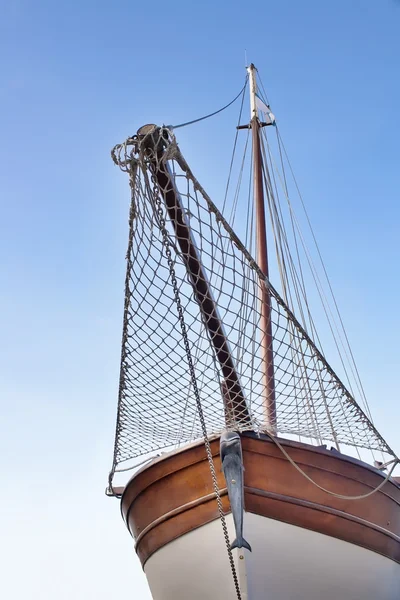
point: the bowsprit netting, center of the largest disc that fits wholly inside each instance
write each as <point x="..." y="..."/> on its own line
<point x="185" y="263"/>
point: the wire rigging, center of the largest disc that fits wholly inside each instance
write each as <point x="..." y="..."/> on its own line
<point x="290" y="267"/>
<point x="211" y="114"/>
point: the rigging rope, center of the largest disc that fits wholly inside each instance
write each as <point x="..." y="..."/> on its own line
<point x="213" y="113"/>
<point x="352" y="363"/>
<point x="139" y="464"/>
<point x="323" y="298"/>
<point x="234" y="150"/>
<point x="346" y="346"/>
<point x="157" y="399"/>
<point x="341" y="496"/>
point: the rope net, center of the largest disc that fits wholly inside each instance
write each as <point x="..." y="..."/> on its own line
<point x="186" y="265"/>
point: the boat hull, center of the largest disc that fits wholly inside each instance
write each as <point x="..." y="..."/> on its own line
<point x="297" y="531"/>
<point x="287" y="562"/>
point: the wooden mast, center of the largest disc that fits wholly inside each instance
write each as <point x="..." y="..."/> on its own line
<point x="262" y="260"/>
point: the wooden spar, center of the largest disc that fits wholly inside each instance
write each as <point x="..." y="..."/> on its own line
<point x="262" y="260"/>
<point x="211" y="319"/>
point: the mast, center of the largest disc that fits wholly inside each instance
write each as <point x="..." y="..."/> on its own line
<point x="262" y="260"/>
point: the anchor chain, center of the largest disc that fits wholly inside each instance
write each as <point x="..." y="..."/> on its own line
<point x="181" y="318"/>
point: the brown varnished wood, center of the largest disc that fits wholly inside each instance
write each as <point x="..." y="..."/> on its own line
<point x="169" y="463"/>
<point x="333" y="474"/>
<point x="174" y="495"/>
<point x="155" y="478"/>
<point x="173" y="528"/>
<point x="177" y="511"/>
<point x="170" y="492"/>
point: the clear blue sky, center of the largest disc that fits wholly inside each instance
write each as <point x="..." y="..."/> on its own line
<point x="75" y="79"/>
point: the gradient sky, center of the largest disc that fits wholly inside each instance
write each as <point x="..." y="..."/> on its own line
<point x="78" y="77"/>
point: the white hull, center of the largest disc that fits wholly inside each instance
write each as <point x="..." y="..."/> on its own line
<point x="287" y="562"/>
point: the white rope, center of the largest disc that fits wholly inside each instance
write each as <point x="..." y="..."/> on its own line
<point x="311" y="480"/>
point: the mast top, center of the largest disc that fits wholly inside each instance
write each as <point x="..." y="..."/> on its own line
<point x="253" y="91"/>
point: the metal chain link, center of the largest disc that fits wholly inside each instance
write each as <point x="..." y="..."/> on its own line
<point x="168" y="253"/>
